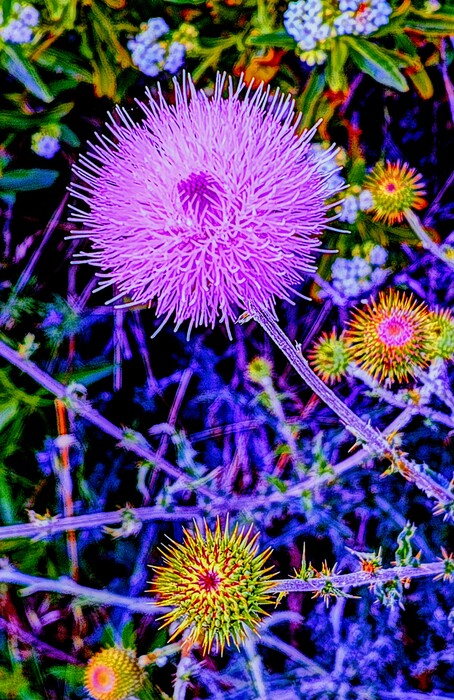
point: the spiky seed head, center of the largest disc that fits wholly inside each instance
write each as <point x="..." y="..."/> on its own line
<point x="395" y="188"/>
<point x="329" y="357"/>
<point x="443" y="329"/>
<point x="113" y="674"/>
<point x="216" y="585"/>
<point x="391" y="337"/>
<point x="204" y="204"/>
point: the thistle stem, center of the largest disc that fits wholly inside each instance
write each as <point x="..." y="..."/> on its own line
<point x="368" y="436"/>
<point x="44" y="527"/>
<point x="359" y="578"/>
<point x="66" y="586"/>
<point x="417" y="227"/>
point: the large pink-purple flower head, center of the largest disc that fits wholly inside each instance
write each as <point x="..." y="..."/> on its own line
<point x="204" y="204"/>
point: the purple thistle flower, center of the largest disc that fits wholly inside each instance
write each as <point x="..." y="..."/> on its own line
<point x="204" y="204"/>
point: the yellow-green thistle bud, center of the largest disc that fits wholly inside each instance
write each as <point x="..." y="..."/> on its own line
<point x="329" y="357"/>
<point x="391" y="337"/>
<point x="442" y="321"/>
<point x="216" y="585"/>
<point x="113" y="674"/>
<point x="259" y="369"/>
<point x="395" y="188"/>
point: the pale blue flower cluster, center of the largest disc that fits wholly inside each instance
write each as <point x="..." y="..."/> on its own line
<point x="355" y="276"/>
<point x="20" y="26"/>
<point x="45" y="145"/>
<point x="311" y="22"/>
<point x="373" y="14"/>
<point x="352" y="205"/>
<point x="152" y="56"/>
<point x="304" y="21"/>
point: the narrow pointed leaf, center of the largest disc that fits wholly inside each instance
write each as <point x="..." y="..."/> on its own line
<point x="377" y="63"/>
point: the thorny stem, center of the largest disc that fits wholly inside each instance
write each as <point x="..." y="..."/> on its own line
<point x="359" y="578"/>
<point x="138" y="445"/>
<point x="416" y="226"/>
<point x="43" y="527"/>
<point x="66" y="586"/>
<point x="371" y="439"/>
<point x="399" y="401"/>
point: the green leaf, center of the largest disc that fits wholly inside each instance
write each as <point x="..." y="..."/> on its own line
<point x="335" y="75"/>
<point x="128" y="636"/>
<point x="279" y="40"/>
<point x="91" y="374"/>
<point x="7" y="510"/>
<point x="72" y="675"/>
<point x="65" y="62"/>
<point x="26" y="180"/>
<point x="10" y="120"/>
<point x="17" y="64"/>
<point x="309" y="100"/>
<point x="186" y="2"/>
<point x="277" y="483"/>
<point x="7" y="412"/>
<point x="377" y="63"/>
<point x="438" y="24"/>
<point x="68" y="136"/>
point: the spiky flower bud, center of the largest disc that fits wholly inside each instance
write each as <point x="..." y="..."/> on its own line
<point x="216" y="585"/>
<point x="259" y="370"/>
<point x="395" y="188"/>
<point x="443" y="329"/>
<point x="113" y="674"/>
<point x="390" y="337"/>
<point x="329" y="357"/>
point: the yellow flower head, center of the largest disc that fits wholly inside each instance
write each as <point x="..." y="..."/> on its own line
<point x="391" y="337"/>
<point x="395" y="188"/>
<point x="113" y="674"/>
<point x="216" y="584"/>
<point x="329" y="357"/>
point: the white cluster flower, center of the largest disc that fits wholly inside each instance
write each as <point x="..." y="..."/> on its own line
<point x="328" y="164"/>
<point x="45" y="143"/>
<point x="152" y="56"/>
<point x="21" y="24"/>
<point x="352" y="205"/>
<point x="312" y="22"/>
<point x="358" y="275"/>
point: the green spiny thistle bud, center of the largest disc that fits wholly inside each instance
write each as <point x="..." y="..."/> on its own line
<point x="216" y="585"/>
<point x="329" y="357"/>
<point x="443" y="329"/>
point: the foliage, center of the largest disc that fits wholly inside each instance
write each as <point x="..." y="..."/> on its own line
<point x="111" y="441"/>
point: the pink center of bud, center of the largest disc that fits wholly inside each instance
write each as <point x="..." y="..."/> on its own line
<point x="199" y="195"/>
<point x="103" y="679"/>
<point x="395" y="331"/>
<point x="209" y="581"/>
<point x="390" y="187"/>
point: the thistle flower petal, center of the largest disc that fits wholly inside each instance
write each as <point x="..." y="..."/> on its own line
<point x="204" y="204"/>
<point x="390" y="337"/>
<point x="216" y="584"/>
